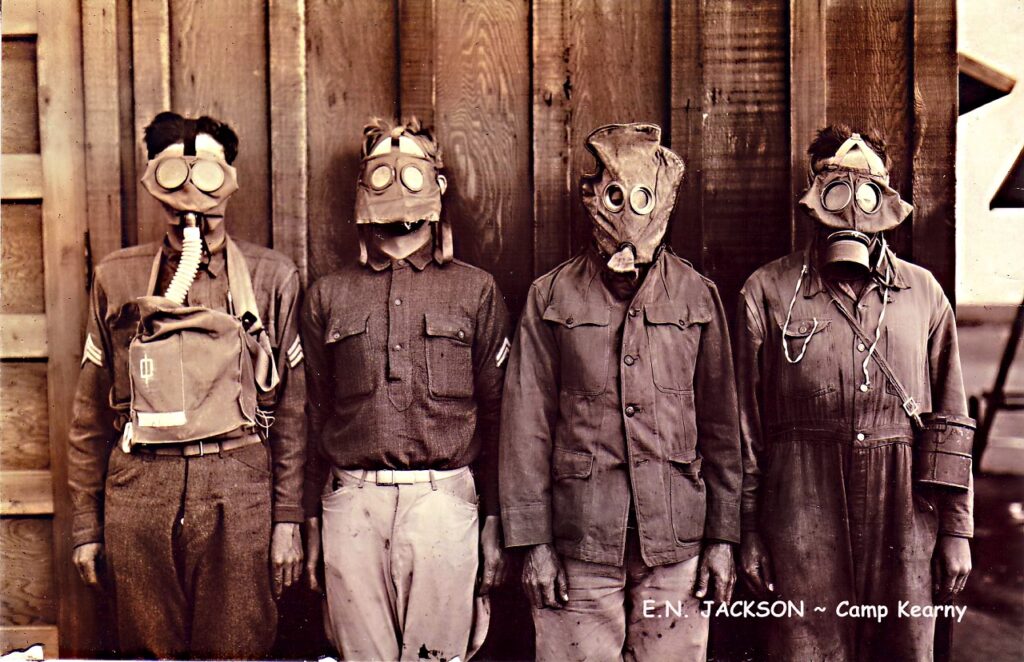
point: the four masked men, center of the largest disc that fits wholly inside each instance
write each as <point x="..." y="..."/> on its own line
<point x="627" y="467"/>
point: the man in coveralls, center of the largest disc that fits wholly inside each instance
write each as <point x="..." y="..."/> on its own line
<point x="620" y="457"/>
<point x="198" y="537"/>
<point x="831" y="512"/>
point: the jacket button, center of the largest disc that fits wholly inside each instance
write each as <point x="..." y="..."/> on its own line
<point x="398" y="302"/>
<point x="633" y="312"/>
<point x="398" y="348"/>
<point x="864" y="388"/>
<point x="630" y="411"/>
<point x="629" y="360"/>
<point x="570" y="321"/>
<point x="461" y="334"/>
<point x="802" y="329"/>
<point x="335" y="335"/>
<point x="860" y="436"/>
<point x="861" y="347"/>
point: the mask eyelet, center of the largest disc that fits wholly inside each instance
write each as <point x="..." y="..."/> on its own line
<point x="837" y="195"/>
<point x="641" y="200"/>
<point x="872" y="193"/>
<point x="614" y="198"/>
<point x="207" y="176"/>
<point x="172" y="173"/>
<point x="381" y="177"/>
<point x="412" y="178"/>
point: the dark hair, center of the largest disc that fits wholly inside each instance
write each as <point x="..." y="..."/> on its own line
<point x="831" y="138"/>
<point x="169" y="128"/>
<point x="378" y="129"/>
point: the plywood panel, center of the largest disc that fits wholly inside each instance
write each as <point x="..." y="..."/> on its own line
<point x="24" y="429"/>
<point x="219" y="68"/>
<point x="21" y="177"/>
<point x="618" y="74"/>
<point x="26" y="493"/>
<point x="483" y="113"/>
<point x="351" y="68"/>
<point x="19" y="129"/>
<point x="418" y="46"/>
<point x="23" y="336"/>
<point x="21" y="258"/>
<point x="27" y="596"/>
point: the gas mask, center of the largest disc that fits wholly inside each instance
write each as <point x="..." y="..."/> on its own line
<point x="850" y="196"/>
<point x="400" y="189"/>
<point x="631" y="195"/>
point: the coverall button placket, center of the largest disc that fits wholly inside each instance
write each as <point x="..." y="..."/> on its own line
<point x="399" y="366"/>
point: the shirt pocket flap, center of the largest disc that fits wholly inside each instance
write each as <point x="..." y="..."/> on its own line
<point x="577" y="315"/>
<point x="804" y="328"/>
<point x="347" y="326"/>
<point x="571" y="464"/>
<point x="679" y="314"/>
<point x="688" y="463"/>
<point x="457" y="328"/>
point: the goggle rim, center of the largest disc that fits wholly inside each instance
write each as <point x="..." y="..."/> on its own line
<point x="188" y="172"/>
<point x="878" y="197"/>
<point x="646" y="209"/>
<point x="423" y="178"/>
<point x="831" y="186"/>
<point x="391" y="177"/>
<point x="205" y="164"/>
<point x="606" y="199"/>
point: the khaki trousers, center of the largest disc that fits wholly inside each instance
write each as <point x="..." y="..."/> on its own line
<point x="630" y="612"/>
<point x="401" y="564"/>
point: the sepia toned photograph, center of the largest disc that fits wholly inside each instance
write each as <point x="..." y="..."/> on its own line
<point x="512" y="330"/>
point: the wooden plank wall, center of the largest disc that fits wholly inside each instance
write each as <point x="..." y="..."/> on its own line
<point x="512" y="88"/>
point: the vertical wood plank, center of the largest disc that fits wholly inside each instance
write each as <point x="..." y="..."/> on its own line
<point x="151" y="64"/>
<point x="126" y="109"/>
<point x="19" y="120"/>
<point x="102" y="126"/>
<point x="289" y="166"/>
<point x="21" y="259"/>
<point x="24" y="430"/>
<point x="934" y="140"/>
<point x="808" y="91"/>
<point x="352" y="76"/>
<point x="417" y="46"/>
<point x="64" y="203"/>
<point x="552" y="134"/>
<point x="483" y="125"/>
<point x="686" y="125"/>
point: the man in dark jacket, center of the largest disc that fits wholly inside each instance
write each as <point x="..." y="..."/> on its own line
<point x="620" y="459"/>
<point x="195" y="509"/>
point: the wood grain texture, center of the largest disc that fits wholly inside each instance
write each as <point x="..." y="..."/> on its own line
<point x="64" y="224"/>
<point x="808" y="91"/>
<point x="21" y="258"/>
<point x="352" y="76"/>
<point x="26" y="492"/>
<point x="618" y="75"/>
<point x="746" y="140"/>
<point x="22" y="177"/>
<point x="870" y="82"/>
<point x="219" y="56"/>
<point x="21" y="637"/>
<point x="686" y="126"/>
<point x="934" y="140"/>
<point x="23" y="336"/>
<point x="28" y="595"/>
<point x="289" y="163"/>
<point x="19" y="19"/>
<point x="151" y="82"/>
<point x="126" y="108"/>
<point x="418" y="45"/>
<point x="552" y="134"/>
<point x="19" y="129"/>
<point x="102" y="125"/>
<point x="24" y="428"/>
<point x="483" y="126"/>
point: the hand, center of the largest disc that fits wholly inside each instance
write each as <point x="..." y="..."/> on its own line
<point x="951" y="565"/>
<point x="716" y="566"/>
<point x="285" y="556"/>
<point x="756" y="565"/>
<point x="313" y="544"/>
<point x="493" y="570"/>
<point x="544" y="579"/>
<point x="86" y="558"/>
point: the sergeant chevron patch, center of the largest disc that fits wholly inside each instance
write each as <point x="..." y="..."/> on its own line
<point x="92" y="353"/>
<point x="506" y="345"/>
<point x="295" y="354"/>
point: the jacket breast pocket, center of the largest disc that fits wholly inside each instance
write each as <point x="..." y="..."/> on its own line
<point x="674" y="332"/>
<point x="583" y="343"/>
<point x="811" y="369"/>
<point x="348" y="341"/>
<point x="688" y="497"/>
<point x="571" y="493"/>
<point x="449" y="351"/>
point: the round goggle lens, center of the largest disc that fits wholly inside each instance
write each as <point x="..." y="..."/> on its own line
<point x="412" y="178"/>
<point x="869" y="197"/>
<point x="641" y="199"/>
<point x="171" y="173"/>
<point x="380" y="178"/>
<point x="207" y="176"/>
<point x="836" y="196"/>
<point x="614" y="198"/>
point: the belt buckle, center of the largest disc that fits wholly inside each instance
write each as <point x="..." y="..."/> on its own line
<point x="385" y="477"/>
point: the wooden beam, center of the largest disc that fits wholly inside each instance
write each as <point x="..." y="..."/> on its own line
<point x="20" y="637"/>
<point x="151" y="64"/>
<point x="61" y="126"/>
<point x="23" y="336"/>
<point x="984" y="73"/>
<point x="26" y="493"/>
<point x="19" y="18"/>
<point x="808" y="94"/>
<point x="288" y="131"/>
<point x="417" y="47"/>
<point x="102" y="126"/>
<point x="22" y="177"/>
<point x="552" y="134"/>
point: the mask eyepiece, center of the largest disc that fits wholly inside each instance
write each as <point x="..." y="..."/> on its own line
<point x="412" y="178"/>
<point x="614" y="198"/>
<point x="641" y="200"/>
<point x="869" y="197"/>
<point x="171" y="174"/>
<point x="381" y="177"/>
<point x="207" y="176"/>
<point x="836" y="196"/>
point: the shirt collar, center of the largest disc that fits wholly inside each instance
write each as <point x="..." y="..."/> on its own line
<point x="815" y="280"/>
<point x="379" y="261"/>
<point x="214" y="264"/>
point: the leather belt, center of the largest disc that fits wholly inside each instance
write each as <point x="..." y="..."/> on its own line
<point x="400" y="476"/>
<point x="199" y="448"/>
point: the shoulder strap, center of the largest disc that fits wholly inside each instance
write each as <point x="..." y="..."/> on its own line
<point x="244" y="301"/>
<point x="910" y="405"/>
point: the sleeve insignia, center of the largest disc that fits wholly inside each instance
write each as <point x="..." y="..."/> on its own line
<point x="502" y="356"/>
<point x="295" y="354"/>
<point x="92" y="353"/>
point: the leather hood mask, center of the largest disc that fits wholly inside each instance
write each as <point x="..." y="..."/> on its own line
<point x="631" y="194"/>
